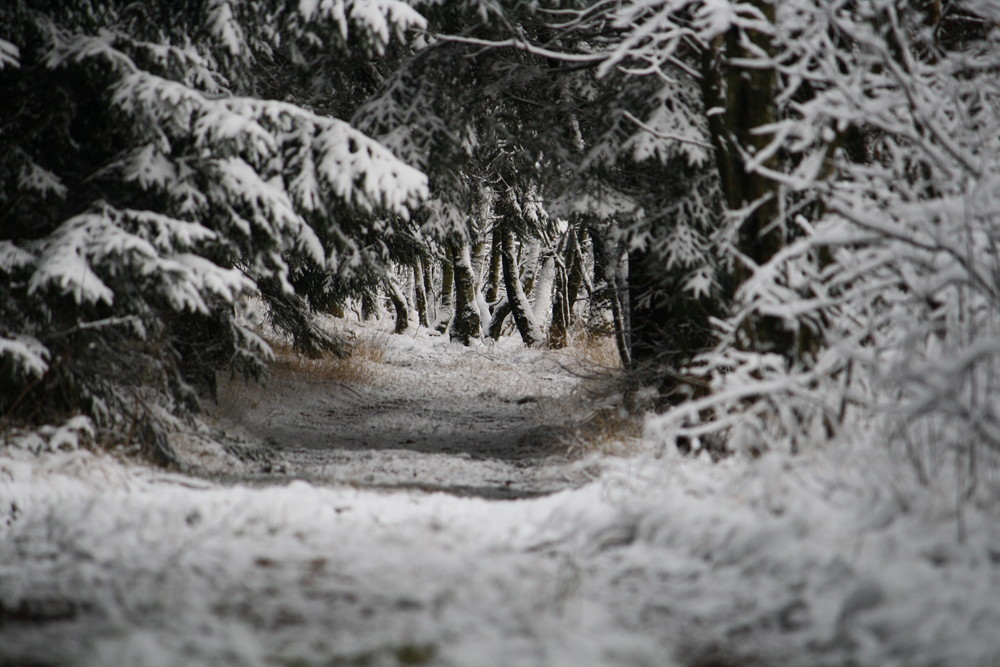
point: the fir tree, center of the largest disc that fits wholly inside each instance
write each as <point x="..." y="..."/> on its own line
<point x="147" y="192"/>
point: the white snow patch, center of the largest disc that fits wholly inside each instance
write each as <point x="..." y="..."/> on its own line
<point x="832" y="557"/>
<point x="27" y="354"/>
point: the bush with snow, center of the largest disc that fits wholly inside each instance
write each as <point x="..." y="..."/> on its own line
<point x="147" y="190"/>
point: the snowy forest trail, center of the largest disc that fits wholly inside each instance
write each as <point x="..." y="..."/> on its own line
<point x="424" y="415"/>
<point x="329" y="540"/>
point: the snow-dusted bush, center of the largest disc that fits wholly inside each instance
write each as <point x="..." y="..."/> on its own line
<point x="889" y="165"/>
<point x="146" y="189"/>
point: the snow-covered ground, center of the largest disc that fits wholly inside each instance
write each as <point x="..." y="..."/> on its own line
<point x="334" y="550"/>
<point x="424" y="413"/>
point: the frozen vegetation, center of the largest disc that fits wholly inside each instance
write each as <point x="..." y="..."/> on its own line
<point x="836" y="556"/>
<point x="781" y="220"/>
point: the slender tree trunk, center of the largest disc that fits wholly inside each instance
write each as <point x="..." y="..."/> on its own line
<point x="495" y="274"/>
<point x="578" y="269"/>
<point x="368" y="307"/>
<point x="587" y="276"/>
<point x="524" y="318"/>
<point x="428" y="273"/>
<point x="541" y="302"/>
<point x="619" y="279"/>
<point x="479" y="250"/>
<point x="500" y="314"/>
<point x="445" y="313"/>
<point x="419" y="292"/>
<point x="466" y="324"/>
<point x="607" y="265"/>
<point x="528" y="262"/>
<point x="562" y="302"/>
<point x="398" y="303"/>
<point x="559" y="327"/>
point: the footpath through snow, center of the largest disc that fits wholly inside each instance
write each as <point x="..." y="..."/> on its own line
<point x="430" y="518"/>
<point x="424" y="414"/>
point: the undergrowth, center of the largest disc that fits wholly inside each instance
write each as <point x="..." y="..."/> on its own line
<point x="598" y="414"/>
<point x="593" y="350"/>
<point x="361" y="366"/>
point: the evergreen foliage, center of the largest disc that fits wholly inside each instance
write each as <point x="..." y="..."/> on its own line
<point x="147" y="191"/>
<point x="787" y="208"/>
<point x="875" y="303"/>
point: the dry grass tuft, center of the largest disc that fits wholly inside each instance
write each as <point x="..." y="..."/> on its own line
<point x="362" y="366"/>
<point x="594" y="350"/>
<point x="236" y="395"/>
<point x="601" y="422"/>
<point x="596" y="415"/>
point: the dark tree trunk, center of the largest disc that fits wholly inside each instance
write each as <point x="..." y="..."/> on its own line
<point x="466" y="325"/>
<point x="500" y="314"/>
<point x="569" y="276"/>
<point x="368" y="308"/>
<point x="619" y="277"/>
<point x="524" y="318"/>
<point x="399" y="305"/>
<point x="747" y="97"/>
<point x="495" y="275"/>
<point x="578" y="269"/>
<point x="447" y="287"/>
<point x="420" y="293"/>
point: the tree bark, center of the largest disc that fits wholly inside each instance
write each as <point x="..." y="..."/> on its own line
<point x="524" y="318"/>
<point x="420" y="293"/>
<point x="447" y="287"/>
<point x="541" y="299"/>
<point x="479" y="250"/>
<point x="429" y="290"/>
<point x="746" y="98"/>
<point x="569" y="276"/>
<point x="399" y="304"/>
<point x="466" y="325"/>
<point x="495" y="273"/>
<point x="368" y="307"/>
<point x="619" y="280"/>
<point x="500" y="314"/>
<point x="607" y="266"/>
<point x="528" y="262"/>
<point x="559" y="326"/>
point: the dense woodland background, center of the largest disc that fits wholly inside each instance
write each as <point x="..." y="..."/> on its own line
<point x="787" y="213"/>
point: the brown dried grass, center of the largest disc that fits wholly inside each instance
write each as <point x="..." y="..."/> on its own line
<point x="361" y="366"/>
<point x="602" y="424"/>
<point x="594" y="350"/>
<point x="236" y="395"/>
<point x="595" y="415"/>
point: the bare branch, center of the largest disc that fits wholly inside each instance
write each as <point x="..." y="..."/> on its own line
<point x="527" y="47"/>
<point x="666" y="135"/>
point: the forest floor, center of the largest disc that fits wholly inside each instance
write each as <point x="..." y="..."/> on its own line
<point x="409" y="413"/>
<point x="429" y="504"/>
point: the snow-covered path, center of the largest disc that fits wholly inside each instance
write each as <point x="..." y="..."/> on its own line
<point x="297" y="559"/>
<point x="486" y="421"/>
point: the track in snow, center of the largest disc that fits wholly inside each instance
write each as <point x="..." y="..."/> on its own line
<point x="439" y="417"/>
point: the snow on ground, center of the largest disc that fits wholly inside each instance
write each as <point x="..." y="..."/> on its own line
<point x="821" y="559"/>
<point x="424" y="413"/>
